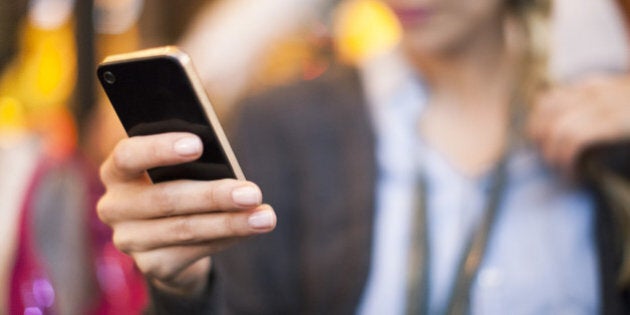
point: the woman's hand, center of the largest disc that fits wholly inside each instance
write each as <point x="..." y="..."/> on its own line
<point x="568" y="119"/>
<point x="170" y="229"/>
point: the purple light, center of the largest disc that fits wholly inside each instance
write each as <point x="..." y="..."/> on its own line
<point x="43" y="293"/>
<point x="32" y="311"/>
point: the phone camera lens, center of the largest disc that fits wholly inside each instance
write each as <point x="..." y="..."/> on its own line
<point x="109" y="77"/>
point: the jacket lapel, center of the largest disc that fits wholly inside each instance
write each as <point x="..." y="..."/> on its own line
<point x="338" y="234"/>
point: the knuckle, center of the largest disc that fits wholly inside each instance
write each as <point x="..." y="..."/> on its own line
<point x="160" y="269"/>
<point x="182" y="229"/>
<point x="155" y="153"/>
<point x="152" y="268"/>
<point x="212" y="196"/>
<point x="121" y="154"/>
<point x="165" y="200"/>
<point x="230" y="225"/>
<point x="218" y="193"/>
<point x="103" y="210"/>
<point x="104" y="173"/>
<point x="122" y="242"/>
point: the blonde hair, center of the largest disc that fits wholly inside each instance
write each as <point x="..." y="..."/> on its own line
<point x="532" y="21"/>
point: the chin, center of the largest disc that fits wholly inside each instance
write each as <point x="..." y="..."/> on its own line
<point x="422" y="43"/>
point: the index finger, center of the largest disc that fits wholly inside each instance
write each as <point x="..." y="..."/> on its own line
<point x="133" y="156"/>
<point x="181" y="197"/>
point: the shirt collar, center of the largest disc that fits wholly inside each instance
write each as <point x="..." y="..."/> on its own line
<point x="384" y="75"/>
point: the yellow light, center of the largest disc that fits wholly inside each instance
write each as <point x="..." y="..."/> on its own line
<point x="12" y="116"/>
<point x="364" y="28"/>
<point x="36" y="88"/>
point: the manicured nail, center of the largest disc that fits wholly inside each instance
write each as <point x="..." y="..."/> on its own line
<point x="262" y="219"/>
<point x="188" y="146"/>
<point x="247" y="196"/>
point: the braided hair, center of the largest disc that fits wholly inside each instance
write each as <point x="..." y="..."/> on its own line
<point x="532" y="19"/>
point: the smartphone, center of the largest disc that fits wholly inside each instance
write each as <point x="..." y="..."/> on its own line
<point x="156" y="91"/>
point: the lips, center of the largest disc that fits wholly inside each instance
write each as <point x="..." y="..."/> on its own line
<point x="412" y="16"/>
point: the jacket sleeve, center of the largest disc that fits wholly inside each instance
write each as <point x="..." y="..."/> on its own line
<point x="259" y="274"/>
<point x="164" y="303"/>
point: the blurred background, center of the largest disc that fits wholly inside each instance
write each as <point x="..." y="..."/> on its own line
<point x="49" y="49"/>
<point x="56" y="126"/>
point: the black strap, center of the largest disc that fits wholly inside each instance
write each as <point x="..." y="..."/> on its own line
<point x="468" y="265"/>
<point x="418" y="261"/>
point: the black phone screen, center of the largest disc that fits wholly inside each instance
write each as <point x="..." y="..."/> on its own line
<point x="155" y="96"/>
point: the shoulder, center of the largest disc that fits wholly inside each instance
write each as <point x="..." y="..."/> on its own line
<point x="336" y="86"/>
<point x="320" y="115"/>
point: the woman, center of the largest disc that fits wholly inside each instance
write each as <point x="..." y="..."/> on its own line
<point x="408" y="187"/>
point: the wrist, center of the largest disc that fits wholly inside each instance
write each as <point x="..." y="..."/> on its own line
<point x="190" y="283"/>
<point x="192" y="290"/>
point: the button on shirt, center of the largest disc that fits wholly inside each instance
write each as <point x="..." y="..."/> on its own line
<point x="541" y="257"/>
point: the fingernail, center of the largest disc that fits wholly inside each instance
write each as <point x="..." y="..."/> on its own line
<point x="262" y="219"/>
<point x="247" y="196"/>
<point x="188" y="146"/>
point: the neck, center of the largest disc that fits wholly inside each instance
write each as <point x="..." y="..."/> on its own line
<point x="478" y="73"/>
<point x="466" y="117"/>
